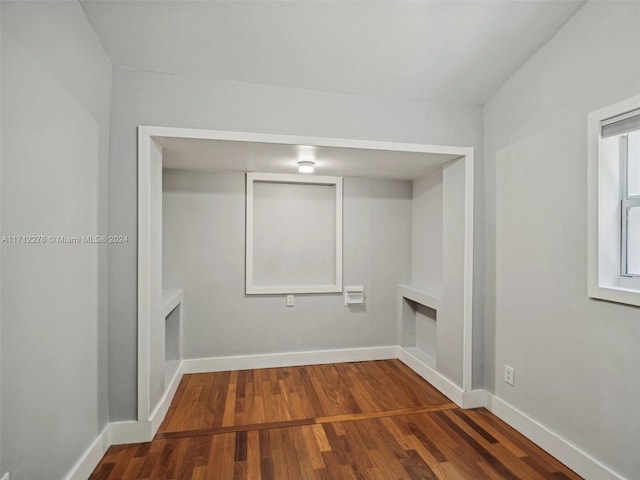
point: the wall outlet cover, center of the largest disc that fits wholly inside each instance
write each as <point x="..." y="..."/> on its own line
<point x="509" y="374"/>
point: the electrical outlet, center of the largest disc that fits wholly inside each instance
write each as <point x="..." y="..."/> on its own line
<point x="290" y="301"/>
<point x="508" y="374"/>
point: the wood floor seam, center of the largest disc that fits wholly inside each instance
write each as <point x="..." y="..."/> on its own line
<point x="388" y="413"/>
<point x="305" y="421"/>
<point x="235" y="429"/>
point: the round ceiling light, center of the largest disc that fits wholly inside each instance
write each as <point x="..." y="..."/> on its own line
<point x="306" y="166"/>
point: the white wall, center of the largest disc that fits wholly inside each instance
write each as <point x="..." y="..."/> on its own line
<point x="426" y="233"/>
<point x="575" y="359"/>
<point x="450" y="341"/>
<point x="142" y="98"/>
<point x="56" y="84"/>
<point x="294" y="234"/>
<point x="1" y="465"/>
<point x="203" y="253"/>
<point x="426" y="331"/>
<point x="426" y="254"/>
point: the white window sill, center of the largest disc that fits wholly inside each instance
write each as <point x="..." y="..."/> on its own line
<point x="625" y="294"/>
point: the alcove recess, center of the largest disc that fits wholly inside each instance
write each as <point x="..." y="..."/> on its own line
<point x="432" y="309"/>
<point x="434" y="321"/>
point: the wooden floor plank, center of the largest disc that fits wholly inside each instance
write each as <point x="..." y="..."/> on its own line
<point x="363" y="420"/>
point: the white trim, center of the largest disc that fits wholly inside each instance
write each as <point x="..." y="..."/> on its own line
<point x="428" y="299"/>
<point x="165" y="402"/>
<point x="122" y="433"/>
<point x="144" y="273"/>
<point x="255" y="177"/>
<point x="203" y="134"/>
<point x="593" y="150"/>
<point x="596" y="287"/>
<point x="476" y="398"/>
<point x="170" y="300"/>
<point x="291" y="289"/>
<point x="470" y="399"/>
<point x="5" y="476"/>
<point x="85" y="465"/>
<point x="569" y="454"/>
<point x="294" y="178"/>
<point x="467" y="322"/>
<point x="288" y="359"/>
<point x="621" y="117"/>
<point x="144" y="431"/>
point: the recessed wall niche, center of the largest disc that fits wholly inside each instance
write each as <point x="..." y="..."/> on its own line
<point x="293" y="234"/>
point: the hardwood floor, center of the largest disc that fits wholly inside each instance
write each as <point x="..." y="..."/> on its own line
<point x="366" y="420"/>
<point x="211" y="401"/>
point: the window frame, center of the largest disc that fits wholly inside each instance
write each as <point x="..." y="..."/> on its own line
<point x="256" y="177"/>
<point x="607" y="193"/>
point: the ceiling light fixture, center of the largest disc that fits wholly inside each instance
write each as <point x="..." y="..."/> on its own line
<point x="306" y="158"/>
<point x="306" y="166"/>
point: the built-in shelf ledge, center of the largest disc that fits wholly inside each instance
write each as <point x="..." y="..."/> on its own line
<point x="429" y="299"/>
<point x="170" y="300"/>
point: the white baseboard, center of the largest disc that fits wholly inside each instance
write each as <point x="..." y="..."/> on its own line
<point x="471" y="399"/>
<point x="288" y="359"/>
<point x="572" y="456"/>
<point x="475" y="398"/>
<point x="165" y="402"/>
<point x="121" y="433"/>
<point x="89" y="459"/>
<point x="118" y="433"/>
<point x="446" y="386"/>
<point x="5" y="476"/>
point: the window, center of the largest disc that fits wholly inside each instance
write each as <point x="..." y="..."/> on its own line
<point x="614" y="203"/>
<point x="630" y="202"/>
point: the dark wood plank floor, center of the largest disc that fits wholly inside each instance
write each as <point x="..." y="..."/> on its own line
<point x="368" y="420"/>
